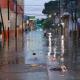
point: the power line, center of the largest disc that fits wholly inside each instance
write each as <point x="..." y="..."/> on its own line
<point x="35" y="14"/>
<point x="30" y="5"/>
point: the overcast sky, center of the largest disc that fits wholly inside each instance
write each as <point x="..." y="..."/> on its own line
<point x="34" y="7"/>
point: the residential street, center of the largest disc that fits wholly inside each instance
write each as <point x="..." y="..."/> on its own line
<point x="39" y="39"/>
<point x="32" y="67"/>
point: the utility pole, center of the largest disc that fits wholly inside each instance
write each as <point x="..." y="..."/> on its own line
<point x="22" y="32"/>
<point x="76" y="53"/>
<point x="8" y="8"/>
<point x="75" y="12"/>
<point x="16" y="28"/>
<point x="59" y="12"/>
<point x="8" y="3"/>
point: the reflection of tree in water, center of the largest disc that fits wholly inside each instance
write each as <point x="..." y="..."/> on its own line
<point x="75" y="52"/>
<point x="0" y="27"/>
<point x="0" y="46"/>
<point x="0" y="33"/>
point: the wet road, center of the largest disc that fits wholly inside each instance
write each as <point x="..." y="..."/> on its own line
<point x="26" y="66"/>
<point x="35" y="43"/>
<point x="23" y="72"/>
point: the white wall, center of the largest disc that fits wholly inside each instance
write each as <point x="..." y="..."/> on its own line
<point x="12" y="19"/>
<point x="5" y="17"/>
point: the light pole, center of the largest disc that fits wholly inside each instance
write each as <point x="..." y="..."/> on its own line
<point x="8" y="3"/>
<point x="16" y="27"/>
<point x="22" y="32"/>
<point x="59" y="16"/>
<point x="59" y="12"/>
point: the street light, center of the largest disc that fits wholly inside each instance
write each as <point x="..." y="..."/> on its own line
<point x="50" y="16"/>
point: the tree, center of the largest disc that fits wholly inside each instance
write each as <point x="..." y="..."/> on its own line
<point x="47" y="24"/>
<point x="50" y="8"/>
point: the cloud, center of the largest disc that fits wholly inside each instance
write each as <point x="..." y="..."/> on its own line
<point x="34" y="6"/>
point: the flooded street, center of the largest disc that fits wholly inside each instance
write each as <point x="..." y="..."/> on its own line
<point x="38" y="59"/>
<point x="39" y="39"/>
<point x="32" y="67"/>
<point x="35" y="43"/>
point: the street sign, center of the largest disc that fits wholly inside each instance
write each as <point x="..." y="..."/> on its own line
<point x="31" y="17"/>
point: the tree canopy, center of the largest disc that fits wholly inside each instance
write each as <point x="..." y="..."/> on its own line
<point x="47" y="23"/>
<point x="50" y="7"/>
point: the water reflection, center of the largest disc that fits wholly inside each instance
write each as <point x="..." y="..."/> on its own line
<point x="58" y="46"/>
<point x="64" y="68"/>
<point x="50" y="43"/>
<point x="62" y="45"/>
<point x="34" y="43"/>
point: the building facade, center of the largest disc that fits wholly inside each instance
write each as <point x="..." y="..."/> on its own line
<point x="12" y="12"/>
<point x="11" y="9"/>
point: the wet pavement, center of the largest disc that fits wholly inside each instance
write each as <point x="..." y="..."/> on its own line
<point x="23" y="72"/>
<point x="34" y="43"/>
<point x="23" y="65"/>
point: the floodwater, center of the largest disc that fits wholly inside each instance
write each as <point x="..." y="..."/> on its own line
<point x="28" y="66"/>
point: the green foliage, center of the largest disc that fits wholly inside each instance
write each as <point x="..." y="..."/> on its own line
<point x="47" y="24"/>
<point x="50" y="7"/>
<point x="39" y="23"/>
